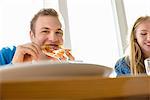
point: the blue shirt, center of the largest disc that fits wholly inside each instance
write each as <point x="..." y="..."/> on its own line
<point x="6" y="55"/>
<point x="122" y="68"/>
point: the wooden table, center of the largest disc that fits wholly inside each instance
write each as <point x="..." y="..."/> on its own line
<point x="77" y="88"/>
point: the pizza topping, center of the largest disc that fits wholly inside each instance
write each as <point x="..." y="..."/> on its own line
<point x="60" y="54"/>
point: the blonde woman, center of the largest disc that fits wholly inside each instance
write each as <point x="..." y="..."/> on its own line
<point x="133" y="63"/>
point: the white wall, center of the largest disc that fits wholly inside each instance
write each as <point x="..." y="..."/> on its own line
<point x="135" y="9"/>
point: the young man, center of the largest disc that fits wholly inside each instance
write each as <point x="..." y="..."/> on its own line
<point x="45" y="29"/>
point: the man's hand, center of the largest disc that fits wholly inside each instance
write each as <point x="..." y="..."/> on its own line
<point x="27" y="53"/>
<point x="32" y="52"/>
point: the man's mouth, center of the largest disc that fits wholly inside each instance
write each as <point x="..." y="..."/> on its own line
<point x="53" y="46"/>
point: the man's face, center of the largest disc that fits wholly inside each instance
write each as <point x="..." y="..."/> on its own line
<point x="47" y="32"/>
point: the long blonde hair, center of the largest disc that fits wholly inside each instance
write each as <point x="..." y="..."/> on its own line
<point x="136" y="59"/>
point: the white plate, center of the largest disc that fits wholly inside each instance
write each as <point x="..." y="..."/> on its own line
<point x="47" y="69"/>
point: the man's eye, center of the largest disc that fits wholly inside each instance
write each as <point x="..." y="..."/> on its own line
<point x="61" y="33"/>
<point x="45" y="31"/>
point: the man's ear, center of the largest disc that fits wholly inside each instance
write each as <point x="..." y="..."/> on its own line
<point x="32" y="36"/>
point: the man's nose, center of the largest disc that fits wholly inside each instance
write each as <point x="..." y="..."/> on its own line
<point x="52" y="37"/>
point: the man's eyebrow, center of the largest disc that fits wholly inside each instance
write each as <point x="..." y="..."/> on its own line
<point x="60" y="29"/>
<point x="44" y="28"/>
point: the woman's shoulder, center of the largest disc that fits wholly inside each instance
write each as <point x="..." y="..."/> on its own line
<point x="121" y="61"/>
<point x="122" y="67"/>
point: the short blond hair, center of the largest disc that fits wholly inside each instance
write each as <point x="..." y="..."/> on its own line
<point x="42" y="12"/>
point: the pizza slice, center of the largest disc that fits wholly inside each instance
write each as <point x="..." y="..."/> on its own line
<point x="60" y="54"/>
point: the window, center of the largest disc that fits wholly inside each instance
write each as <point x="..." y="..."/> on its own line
<point x="92" y="31"/>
